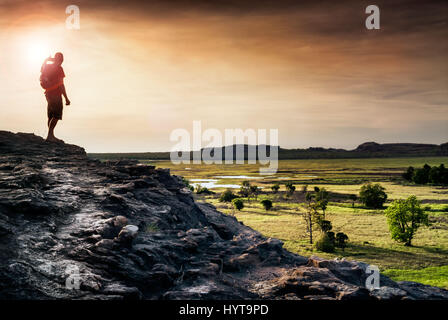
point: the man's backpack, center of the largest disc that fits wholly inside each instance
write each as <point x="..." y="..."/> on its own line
<point x="47" y="76"/>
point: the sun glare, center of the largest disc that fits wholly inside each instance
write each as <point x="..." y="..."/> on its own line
<point x="37" y="52"/>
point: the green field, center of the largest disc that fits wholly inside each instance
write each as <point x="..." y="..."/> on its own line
<point x="369" y="240"/>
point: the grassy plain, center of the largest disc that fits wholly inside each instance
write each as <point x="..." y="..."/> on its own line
<point x="369" y="240"/>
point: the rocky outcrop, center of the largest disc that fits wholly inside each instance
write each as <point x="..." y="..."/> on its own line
<point x="76" y="228"/>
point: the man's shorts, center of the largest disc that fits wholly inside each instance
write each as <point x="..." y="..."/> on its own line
<point x="55" y="107"/>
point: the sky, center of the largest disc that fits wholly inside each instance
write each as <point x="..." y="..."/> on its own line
<point x="137" y="70"/>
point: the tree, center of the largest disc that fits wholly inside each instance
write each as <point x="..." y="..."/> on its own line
<point x="404" y="218"/>
<point x="438" y="175"/>
<point x="254" y="190"/>
<point x="421" y="176"/>
<point x="227" y="196"/>
<point x="409" y="174"/>
<point x="245" y="189"/>
<point x="444" y="174"/>
<point x="322" y="197"/>
<point x="267" y="204"/>
<point x="373" y="195"/>
<point x="275" y="188"/>
<point x="427" y="174"/>
<point x="238" y="204"/>
<point x="309" y="214"/>
<point x="290" y="187"/>
<point x="434" y="175"/>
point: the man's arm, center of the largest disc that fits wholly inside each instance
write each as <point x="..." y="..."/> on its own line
<point x="67" y="101"/>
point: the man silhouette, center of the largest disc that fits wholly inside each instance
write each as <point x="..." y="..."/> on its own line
<point x="53" y="75"/>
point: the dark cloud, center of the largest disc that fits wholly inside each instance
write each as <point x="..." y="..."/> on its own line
<point x="344" y="18"/>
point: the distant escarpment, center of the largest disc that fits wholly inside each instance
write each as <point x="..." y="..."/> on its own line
<point x="365" y="150"/>
<point x="76" y="228"/>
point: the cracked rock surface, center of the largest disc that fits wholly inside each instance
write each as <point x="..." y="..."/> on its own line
<point x="76" y="228"/>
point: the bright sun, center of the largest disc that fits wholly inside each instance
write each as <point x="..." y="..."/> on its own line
<point x="37" y="52"/>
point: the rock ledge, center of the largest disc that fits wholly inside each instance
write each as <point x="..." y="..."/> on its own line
<point x="76" y="228"/>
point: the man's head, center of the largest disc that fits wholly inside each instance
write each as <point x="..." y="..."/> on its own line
<point x="58" y="58"/>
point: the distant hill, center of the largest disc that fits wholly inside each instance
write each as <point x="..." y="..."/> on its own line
<point x="365" y="150"/>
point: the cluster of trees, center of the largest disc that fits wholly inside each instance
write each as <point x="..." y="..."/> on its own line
<point x="404" y="216"/>
<point x="427" y="174"/>
<point x="315" y="218"/>
<point x="247" y="190"/>
<point x="229" y="196"/>
<point x="314" y="215"/>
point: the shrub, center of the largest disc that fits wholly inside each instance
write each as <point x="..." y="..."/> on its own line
<point x="341" y="240"/>
<point x="227" y="196"/>
<point x="245" y="189"/>
<point x="152" y="228"/>
<point x="325" y="225"/>
<point x="267" y="204"/>
<point x="275" y="188"/>
<point x="404" y="218"/>
<point x="290" y="187"/>
<point x="238" y="204"/>
<point x="187" y="184"/>
<point x="373" y="195"/>
<point x="330" y="235"/>
<point x="325" y="244"/>
<point x="203" y="190"/>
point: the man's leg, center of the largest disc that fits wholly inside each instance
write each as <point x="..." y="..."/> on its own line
<point x="52" y="124"/>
